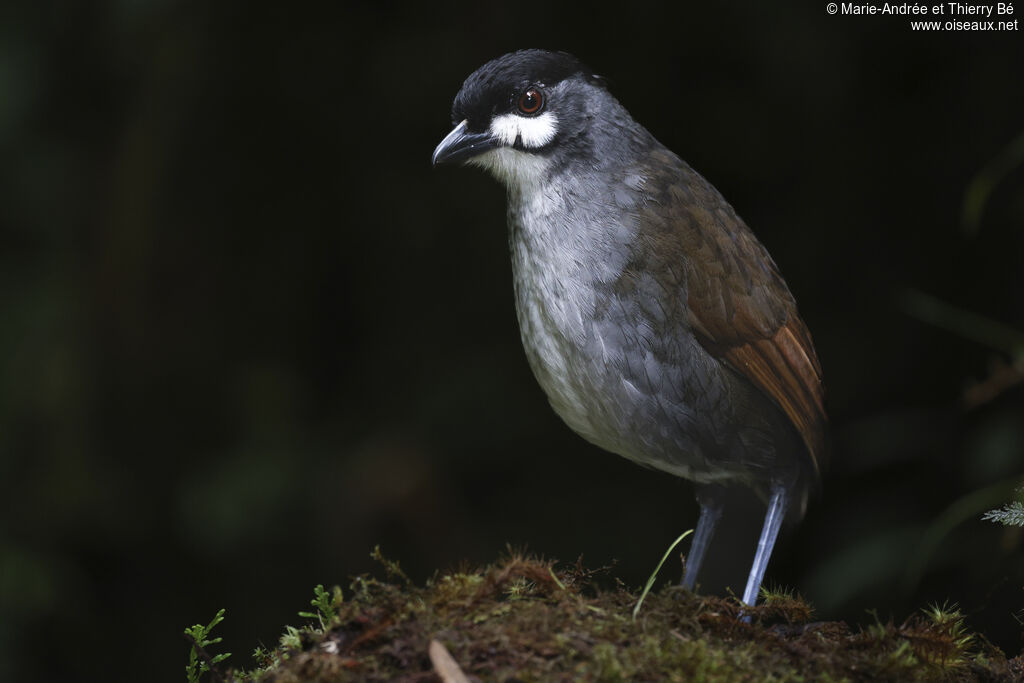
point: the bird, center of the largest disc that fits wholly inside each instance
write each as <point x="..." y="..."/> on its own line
<point x="657" y="324"/>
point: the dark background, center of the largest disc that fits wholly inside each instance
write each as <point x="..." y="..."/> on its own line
<point x="247" y="333"/>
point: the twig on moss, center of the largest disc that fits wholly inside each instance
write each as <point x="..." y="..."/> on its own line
<point x="445" y="666"/>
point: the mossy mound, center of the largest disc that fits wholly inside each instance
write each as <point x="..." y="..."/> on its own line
<point x="525" y="619"/>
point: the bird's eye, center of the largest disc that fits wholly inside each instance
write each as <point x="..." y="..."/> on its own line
<point x="531" y="101"/>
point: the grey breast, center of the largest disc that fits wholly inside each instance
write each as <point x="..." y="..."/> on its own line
<point x="605" y="340"/>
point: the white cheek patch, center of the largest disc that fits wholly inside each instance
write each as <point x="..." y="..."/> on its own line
<point x="534" y="132"/>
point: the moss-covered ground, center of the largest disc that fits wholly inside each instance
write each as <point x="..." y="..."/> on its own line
<point x="526" y="619"/>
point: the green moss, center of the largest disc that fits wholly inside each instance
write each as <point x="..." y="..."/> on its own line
<point x="525" y="619"/>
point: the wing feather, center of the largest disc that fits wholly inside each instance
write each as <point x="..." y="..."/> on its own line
<point x="740" y="308"/>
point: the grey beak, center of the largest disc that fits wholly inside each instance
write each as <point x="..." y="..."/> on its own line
<point x="460" y="145"/>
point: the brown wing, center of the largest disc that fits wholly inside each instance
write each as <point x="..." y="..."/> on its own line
<point x="742" y="311"/>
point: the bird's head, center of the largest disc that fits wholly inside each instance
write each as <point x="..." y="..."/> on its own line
<point x="516" y="113"/>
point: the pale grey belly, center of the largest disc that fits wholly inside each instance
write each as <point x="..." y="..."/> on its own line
<point x="624" y="370"/>
<point x="658" y="399"/>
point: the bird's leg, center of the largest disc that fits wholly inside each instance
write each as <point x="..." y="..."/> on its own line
<point x="710" y="499"/>
<point x="772" y="521"/>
